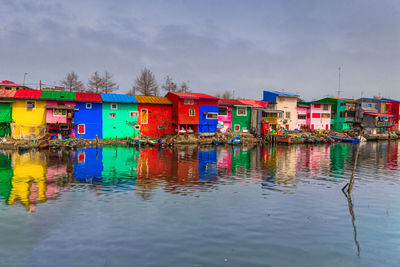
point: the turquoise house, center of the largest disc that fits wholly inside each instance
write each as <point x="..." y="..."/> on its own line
<point x="120" y="116"/>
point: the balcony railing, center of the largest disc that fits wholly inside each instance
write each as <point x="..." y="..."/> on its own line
<point x="384" y="124"/>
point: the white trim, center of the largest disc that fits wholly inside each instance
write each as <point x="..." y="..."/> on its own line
<point x="89" y="104"/>
<point x="26" y="103"/>
<point x="194" y="111"/>
<point x="116" y="106"/>
<point x="130" y="114"/>
<point x="141" y="116"/>
<point x="84" y="127"/>
<point x="211" y="113"/>
<point x="237" y="111"/>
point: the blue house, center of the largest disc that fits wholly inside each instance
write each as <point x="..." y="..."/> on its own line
<point x="208" y="113"/>
<point x="88" y="117"/>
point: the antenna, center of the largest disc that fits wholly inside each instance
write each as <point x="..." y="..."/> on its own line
<point x="338" y="91"/>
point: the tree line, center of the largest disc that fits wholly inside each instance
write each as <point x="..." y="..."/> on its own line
<point x="145" y="84"/>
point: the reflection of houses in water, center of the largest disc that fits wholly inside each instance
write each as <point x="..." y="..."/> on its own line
<point x="312" y="159"/>
<point x="120" y="165"/>
<point x="6" y="175"/>
<point x="208" y="168"/>
<point x="240" y="160"/>
<point x="338" y="157"/>
<point x="392" y="162"/>
<point x="224" y="160"/>
<point x="286" y="166"/>
<point x="88" y="165"/>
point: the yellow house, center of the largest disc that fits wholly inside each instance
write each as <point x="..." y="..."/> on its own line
<point x="285" y="102"/>
<point x="29" y="115"/>
<point x="29" y="181"/>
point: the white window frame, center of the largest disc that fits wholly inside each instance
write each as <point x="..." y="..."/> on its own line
<point x="194" y="112"/>
<point x="89" y="105"/>
<point x="188" y="101"/>
<point x="116" y="106"/>
<point x="84" y="126"/>
<point x="132" y="112"/>
<point x="141" y="113"/>
<point x="34" y="104"/>
<point x="245" y="111"/>
<point x="114" y="115"/>
<point x="213" y="114"/>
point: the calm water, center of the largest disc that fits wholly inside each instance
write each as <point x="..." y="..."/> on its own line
<point x="227" y="206"/>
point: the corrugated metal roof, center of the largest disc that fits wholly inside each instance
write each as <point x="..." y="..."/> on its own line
<point x="153" y="100"/>
<point x="205" y="96"/>
<point x="116" y="98"/>
<point x="58" y="95"/>
<point x="392" y="100"/>
<point x="28" y="94"/>
<point x="185" y="95"/>
<point x="6" y="82"/>
<point x="7" y="93"/>
<point x="281" y="93"/>
<point x="377" y="114"/>
<point x="88" y="97"/>
<point x="254" y="103"/>
<point x="231" y="102"/>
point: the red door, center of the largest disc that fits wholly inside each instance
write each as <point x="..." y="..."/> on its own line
<point x="312" y="126"/>
<point x="287" y="126"/>
<point x="327" y="126"/>
<point x="81" y="129"/>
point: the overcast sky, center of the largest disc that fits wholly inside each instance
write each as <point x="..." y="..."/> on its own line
<point x="245" y="46"/>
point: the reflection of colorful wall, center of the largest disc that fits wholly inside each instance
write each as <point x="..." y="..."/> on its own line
<point x="120" y="164"/>
<point x="207" y="164"/>
<point x="240" y="160"/>
<point x="6" y="174"/>
<point x="339" y="155"/>
<point x="88" y="166"/>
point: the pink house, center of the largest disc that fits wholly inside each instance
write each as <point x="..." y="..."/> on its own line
<point x="224" y="118"/>
<point x="314" y="116"/>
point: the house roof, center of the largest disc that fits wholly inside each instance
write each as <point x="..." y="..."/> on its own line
<point x="7" y="93"/>
<point x="305" y="104"/>
<point x="193" y="95"/>
<point x="377" y="114"/>
<point x="88" y="97"/>
<point x="28" y="93"/>
<point x="281" y="93"/>
<point x="153" y="100"/>
<point x="205" y="96"/>
<point x="254" y="103"/>
<point x="118" y="98"/>
<point x="6" y="82"/>
<point x="231" y="102"/>
<point x="336" y="98"/>
<point x="58" y="95"/>
<point x="373" y="99"/>
<point x="392" y="100"/>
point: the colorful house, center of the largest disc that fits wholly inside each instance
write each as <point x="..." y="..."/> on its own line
<point x="60" y="107"/>
<point x="120" y="116"/>
<point x="208" y="113"/>
<point x="6" y="99"/>
<point x="257" y="124"/>
<point x="376" y="123"/>
<point x="88" y="116"/>
<point x="239" y="112"/>
<point x="314" y="116"/>
<point x="287" y="103"/>
<point x="395" y="112"/>
<point x="29" y="115"/>
<point x="9" y="85"/>
<point x="185" y="112"/>
<point x="343" y="112"/>
<point x="155" y="116"/>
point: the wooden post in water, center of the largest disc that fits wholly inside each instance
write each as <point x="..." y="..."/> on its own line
<point x="350" y="184"/>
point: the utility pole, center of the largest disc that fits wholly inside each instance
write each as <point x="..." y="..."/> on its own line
<point x="40" y="85"/>
<point x="24" y="77"/>
<point x="338" y="91"/>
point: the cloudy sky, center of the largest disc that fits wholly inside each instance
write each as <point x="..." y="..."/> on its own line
<point x="245" y="46"/>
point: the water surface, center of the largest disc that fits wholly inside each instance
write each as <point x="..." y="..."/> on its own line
<point x="224" y="206"/>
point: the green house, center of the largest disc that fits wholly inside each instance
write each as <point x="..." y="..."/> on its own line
<point x="241" y="118"/>
<point x="343" y="112"/>
<point x="5" y="118"/>
<point x="120" y="116"/>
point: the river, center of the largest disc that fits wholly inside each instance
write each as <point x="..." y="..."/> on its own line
<point x="223" y="206"/>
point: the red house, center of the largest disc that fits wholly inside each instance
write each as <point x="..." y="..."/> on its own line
<point x="155" y="116"/>
<point x="185" y="111"/>
<point x="394" y="110"/>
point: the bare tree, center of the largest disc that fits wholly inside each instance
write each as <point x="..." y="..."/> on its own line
<point x="169" y="85"/>
<point x="108" y="85"/>
<point x="71" y="83"/>
<point x="225" y="95"/>
<point x="146" y="83"/>
<point x="184" y="88"/>
<point x="95" y="83"/>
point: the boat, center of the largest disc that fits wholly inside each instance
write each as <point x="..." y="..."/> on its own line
<point x="217" y="143"/>
<point x="344" y="139"/>
<point x="235" y="140"/>
<point x="286" y="139"/>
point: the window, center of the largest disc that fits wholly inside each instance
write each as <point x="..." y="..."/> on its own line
<point x="59" y="112"/>
<point x="326" y="107"/>
<point x="332" y="117"/>
<point x="317" y="105"/>
<point x="144" y="116"/>
<point x="287" y="115"/>
<point x="88" y="105"/>
<point x="188" y="101"/>
<point x="114" y="106"/>
<point x="81" y="129"/>
<point x="316" y="115"/>
<point x="30" y="104"/>
<point x="241" y="111"/>
<point x="223" y="111"/>
<point x="325" y="115"/>
<point x="112" y="115"/>
<point x="133" y="114"/>
<point x="159" y="127"/>
<point x="302" y="116"/>
<point x="237" y="128"/>
<point x="212" y="116"/>
<point x="192" y="112"/>
<point x="280" y="115"/>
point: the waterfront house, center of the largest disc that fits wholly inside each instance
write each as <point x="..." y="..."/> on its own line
<point x="60" y="107"/>
<point x="343" y="112"/>
<point x="395" y="112"/>
<point x="29" y="115"/>
<point x="6" y="99"/>
<point x="9" y="85"/>
<point x="155" y="116"/>
<point x="208" y="113"/>
<point x="257" y="124"/>
<point x="374" y="115"/>
<point x="238" y="118"/>
<point x="314" y="116"/>
<point x="120" y="116"/>
<point x="185" y="112"/>
<point x="287" y="103"/>
<point x="88" y="115"/>
<point x="269" y="118"/>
